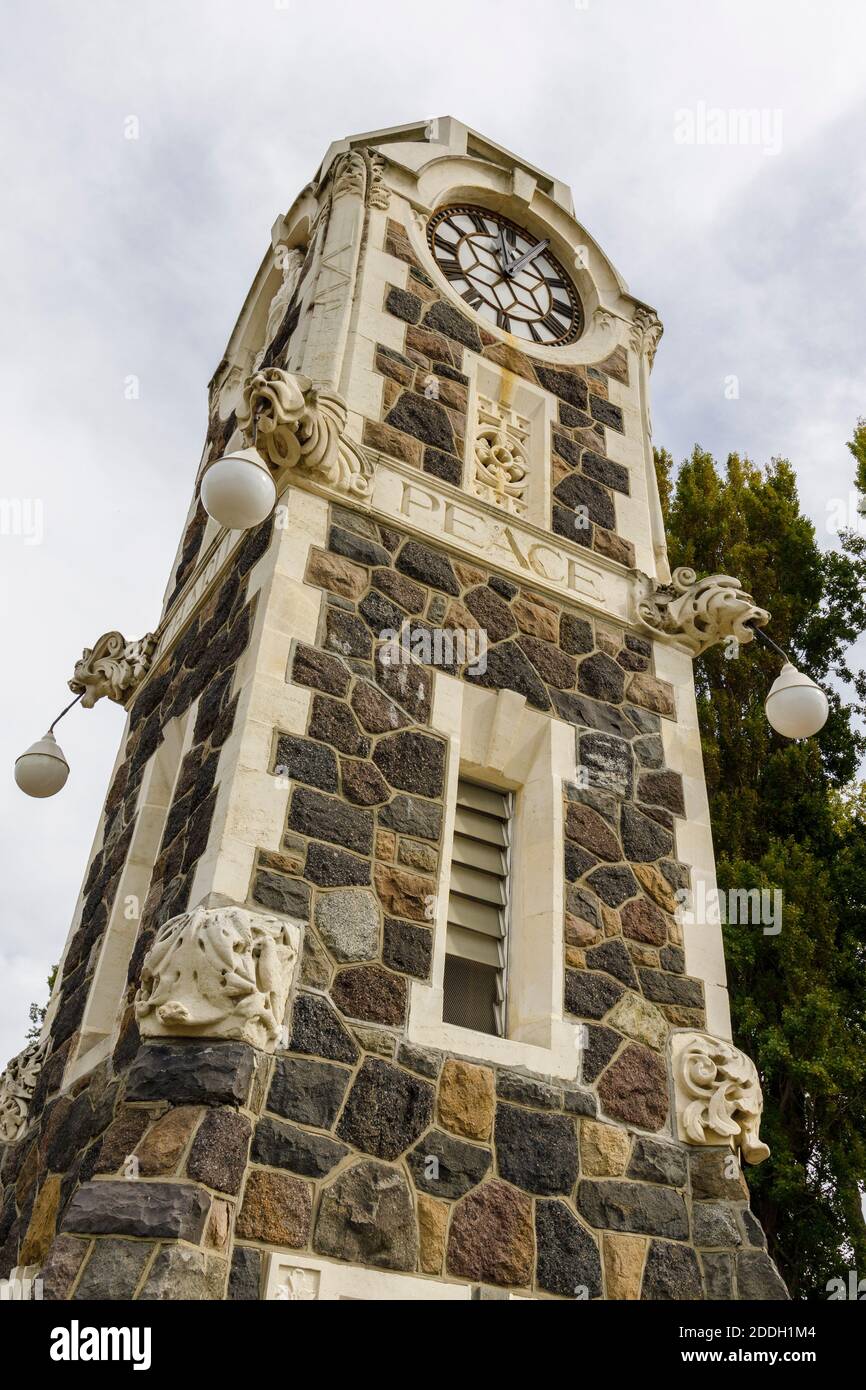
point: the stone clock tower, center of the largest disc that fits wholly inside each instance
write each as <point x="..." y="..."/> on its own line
<point x="379" y="984"/>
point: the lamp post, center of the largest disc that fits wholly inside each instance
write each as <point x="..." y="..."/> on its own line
<point x="795" y="707"/>
<point x="42" y="769"/>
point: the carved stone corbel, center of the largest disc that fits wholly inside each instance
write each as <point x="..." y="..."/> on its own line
<point x="298" y="426"/>
<point x="113" y="667"/>
<point x="698" y="612"/>
<point x="718" y="1095"/>
<point x="221" y="972"/>
<point x="17" y="1085"/>
<point x="645" y="333"/>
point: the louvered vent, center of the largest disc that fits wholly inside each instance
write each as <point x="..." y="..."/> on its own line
<point x="474" y="988"/>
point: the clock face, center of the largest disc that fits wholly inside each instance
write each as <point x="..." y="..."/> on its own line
<point x="509" y="277"/>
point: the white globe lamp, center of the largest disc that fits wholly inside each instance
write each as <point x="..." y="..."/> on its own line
<point x="238" y="491"/>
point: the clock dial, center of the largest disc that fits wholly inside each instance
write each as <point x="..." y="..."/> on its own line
<point x="510" y="278"/>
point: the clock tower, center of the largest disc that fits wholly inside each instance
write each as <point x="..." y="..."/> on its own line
<point x="390" y="976"/>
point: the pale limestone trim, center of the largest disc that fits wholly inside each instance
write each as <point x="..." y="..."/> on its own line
<point x="704" y="947"/>
<point x="302" y="1278"/>
<point x="495" y="737"/>
<point x="101" y="1019"/>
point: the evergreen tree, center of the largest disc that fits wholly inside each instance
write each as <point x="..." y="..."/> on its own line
<point x="790" y="815"/>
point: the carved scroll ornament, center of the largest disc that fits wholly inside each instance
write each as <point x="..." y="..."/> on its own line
<point x="718" y="1095"/>
<point x="113" y="667"/>
<point x="220" y="972"/>
<point x="17" y="1085"/>
<point x="699" y="612"/>
<point x="299" y="427"/>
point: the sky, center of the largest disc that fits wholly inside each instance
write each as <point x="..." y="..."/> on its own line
<point x="124" y="262"/>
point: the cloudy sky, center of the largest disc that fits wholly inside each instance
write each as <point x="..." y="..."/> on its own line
<point x="129" y="258"/>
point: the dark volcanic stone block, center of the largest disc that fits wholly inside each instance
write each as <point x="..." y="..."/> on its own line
<point x="308" y="1092"/>
<point x="157" y="1210"/>
<point x="387" y="1109"/>
<point x="633" y="1206"/>
<point x="408" y="815"/>
<point x="317" y="1031"/>
<point x="284" y="1146"/>
<point x="245" y="1278"/>
<point x="671" y="1273"/>
<point x="333" y="868"/>
<point x="328" y="818"/>
<point x="445" y="1166"/>
<point x="568" y="1259"/>
<point x="192" y="1073"/>
<point x="306" y="761"/>
<point x="589" y="994"/>
<point x="536" y="1151"/>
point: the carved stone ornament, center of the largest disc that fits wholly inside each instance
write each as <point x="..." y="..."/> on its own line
<point x="221" y="972"/>
<point x="718" y="1095"/>
<point x="297" y="426"/>
<point x="361" y="172"/>
<point x="645" y="333"/>
<point x="699" y="612"/>
<point x="114" y="667"/>
<point x="17" y="1085"/>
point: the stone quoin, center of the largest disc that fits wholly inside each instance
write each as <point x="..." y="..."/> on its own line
<point x="406" y="1009"/>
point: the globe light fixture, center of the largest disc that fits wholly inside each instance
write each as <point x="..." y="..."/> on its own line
<point x="795" y="707"/>
<point x="237" y="490"/>
<point x="42" y="769"/>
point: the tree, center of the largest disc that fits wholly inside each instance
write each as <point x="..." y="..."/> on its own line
<point x="37" y="1012"/>
<point x="790" y="816"/>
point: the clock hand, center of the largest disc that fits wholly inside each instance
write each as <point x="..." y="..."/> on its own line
<point x="528" y="256"/>
<point x="503" y="252"/>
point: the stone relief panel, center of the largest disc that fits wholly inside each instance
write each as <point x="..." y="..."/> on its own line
<point x="501" y="456"/>
<point x="718" y="1095"/>
<point x="17" y="1085"/>
<point x="219" y="972"/>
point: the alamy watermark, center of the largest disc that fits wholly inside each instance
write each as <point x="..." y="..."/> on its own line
<point x="755" y="907"/>
<point x="24" y="517"/>
<point x="435" y="646"/>
<point x="760" y="126"/>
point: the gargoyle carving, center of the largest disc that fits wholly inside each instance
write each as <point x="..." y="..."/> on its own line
<point x="220" y="972"/>
<point x="114" y="667"/>
<point x="297" y="426"/>
<point x="17" y="1085"/>
<point x="699" y="612"/>
<point x="718" y="1094"/>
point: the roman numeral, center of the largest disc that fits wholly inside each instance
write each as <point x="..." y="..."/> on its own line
<point x="478" y="222"/>
<point x="450" y="267"/>
<point x="502" y="320"/>
<point x="472" y="297"/>
<point x="553" y="325"/>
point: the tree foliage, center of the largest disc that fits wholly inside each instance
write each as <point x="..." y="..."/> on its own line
<point x="790" y="815"/>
